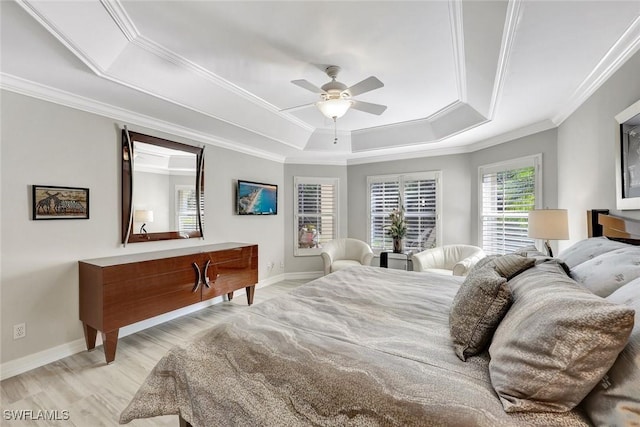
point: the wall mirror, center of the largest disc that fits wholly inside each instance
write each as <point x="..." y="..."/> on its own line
<point x="162" y="189"/>
<point x="628" y="158"/>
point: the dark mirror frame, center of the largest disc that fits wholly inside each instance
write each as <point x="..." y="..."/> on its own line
<point x="128" y="235"/>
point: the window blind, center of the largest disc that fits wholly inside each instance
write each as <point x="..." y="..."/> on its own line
<point x="419" y="195"/>
<point x="316" y="212"/>
<point x="507" y="197"/>
<point x="187" y="208"/>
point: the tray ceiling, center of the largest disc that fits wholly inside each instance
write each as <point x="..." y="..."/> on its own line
<point x="457" y="75"/>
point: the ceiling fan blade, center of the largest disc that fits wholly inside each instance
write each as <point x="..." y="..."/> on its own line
<point x="298" y="107"/>
<point x="305" y="84"/>
<point x="370" y="83"/>
<point x="368" y="107"/>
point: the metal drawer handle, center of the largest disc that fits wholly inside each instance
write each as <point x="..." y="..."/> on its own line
<point x="197" y="285"/>
<point x="205" y="277"/>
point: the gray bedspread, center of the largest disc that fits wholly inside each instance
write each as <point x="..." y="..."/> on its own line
<point x="363" y="346"/>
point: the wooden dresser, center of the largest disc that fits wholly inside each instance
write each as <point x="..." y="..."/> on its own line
<point x="121" y="290"/>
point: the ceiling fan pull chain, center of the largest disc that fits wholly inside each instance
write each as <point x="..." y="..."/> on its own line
<point x="335" y="131"/>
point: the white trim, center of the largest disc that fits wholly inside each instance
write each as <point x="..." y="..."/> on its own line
<point x="335" y="181"/>
<point x="627" y="203"/>
<point x="68" y="99"/>
<point x="457" y="35"/>
<point x="121" y="18"/>
<point x="623" y="49"/>
<point x="508" y="37"/>
<point x="534" y="160"/>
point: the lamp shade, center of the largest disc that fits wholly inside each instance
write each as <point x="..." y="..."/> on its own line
<point x="549" y="224"/>
<point x="334" y="108"/>
<point x="143" y="216"/>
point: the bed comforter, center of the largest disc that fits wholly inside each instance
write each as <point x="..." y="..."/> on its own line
<point x="362" y="346"/>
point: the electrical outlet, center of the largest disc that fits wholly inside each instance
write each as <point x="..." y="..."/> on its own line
<point x="19" y="331"/>
<point x="270" y="266"/>
<point x="281" y="265"/>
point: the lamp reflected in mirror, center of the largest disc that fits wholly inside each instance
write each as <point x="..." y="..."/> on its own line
<point x="143" y="216"/>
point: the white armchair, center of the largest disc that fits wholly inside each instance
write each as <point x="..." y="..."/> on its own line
<point x="343" y="253"/>
<point x="454" y="260"/>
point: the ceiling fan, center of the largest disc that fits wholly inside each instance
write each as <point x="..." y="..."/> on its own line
<point x="336" y="97"/>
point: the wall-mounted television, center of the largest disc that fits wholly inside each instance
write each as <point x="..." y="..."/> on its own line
<point x="256" y="198"/>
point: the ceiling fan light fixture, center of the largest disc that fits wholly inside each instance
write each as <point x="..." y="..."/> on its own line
<point x="334" y="108"/>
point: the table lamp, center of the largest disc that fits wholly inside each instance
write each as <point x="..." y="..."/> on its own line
<point x="143" y="216"/>
<point x="548" y="224"/>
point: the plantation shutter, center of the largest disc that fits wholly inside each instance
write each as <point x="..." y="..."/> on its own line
<point x="419" y="194"/>
<point x="186" y="208"/>
<point x="315" y="214"/>
<point x="384" y="198"/>
<point x="420" y="213"/>
<point x="508" y="194"/>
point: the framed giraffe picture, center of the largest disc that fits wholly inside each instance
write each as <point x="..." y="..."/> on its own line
<point x="53" y="202"/>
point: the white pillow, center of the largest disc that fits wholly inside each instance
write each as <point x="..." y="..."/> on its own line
<point x="587" y="249"/>
<point x="609" y="271"/>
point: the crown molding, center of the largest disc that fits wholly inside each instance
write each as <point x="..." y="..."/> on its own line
<point x="457" y="34"/>
<point x="514" y="13"/>
<point x="121" y="18"/>
<point x="162" y="52"/>
<point x="62" y="38"/>
<point x="67" y="99"/>
<point x="624" y="48"/>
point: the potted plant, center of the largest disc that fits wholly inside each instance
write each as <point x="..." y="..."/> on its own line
<point x="398" y="229"/>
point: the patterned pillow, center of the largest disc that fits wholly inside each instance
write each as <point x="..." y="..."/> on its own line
<point x="587" y="249"/>
<point x="555" y="343"/>
<point x="609" y="271"/>
<point x="509" y="266"/>
<point x="477" y="308"/>
<point x="616" y="399"/>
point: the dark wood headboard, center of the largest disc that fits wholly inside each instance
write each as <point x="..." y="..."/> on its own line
<point x="600" y="223"/>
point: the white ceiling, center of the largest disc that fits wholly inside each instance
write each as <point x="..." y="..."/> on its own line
<point x="458" y="75"/>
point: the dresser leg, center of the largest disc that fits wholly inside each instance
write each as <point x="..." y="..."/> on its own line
<point x="90" y="335"/>
<point x="110" y="342"/>
<point x="250" y="291"/>
<point x="230" y="296"/>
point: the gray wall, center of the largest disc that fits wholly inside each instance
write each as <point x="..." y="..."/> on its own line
<point x="44" y="143"/>
<point x="586" y="150"/>
<point x="541" y="142"/>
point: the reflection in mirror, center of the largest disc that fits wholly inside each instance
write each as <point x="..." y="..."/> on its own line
<point x="162" y="189"/>
<point x="630" y="132"/>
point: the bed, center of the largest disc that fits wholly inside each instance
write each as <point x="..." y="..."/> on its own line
<point x="371" y="346"/>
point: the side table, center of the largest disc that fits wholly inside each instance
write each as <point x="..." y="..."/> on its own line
<point x="398" y="261"/>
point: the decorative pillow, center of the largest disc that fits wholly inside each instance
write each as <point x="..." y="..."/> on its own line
<point x="529" y="251"/>
<point x="587" y="249"/>
<point x="555" y="343"/>
<point x="615" y="401"/>
<point x="477" y="308"/>
<point x="509" y="266"/>
<point x="609" y="271"/>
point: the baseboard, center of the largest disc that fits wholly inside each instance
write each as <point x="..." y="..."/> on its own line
<point x="304" y="275"/>
<point x="36" y="360"/>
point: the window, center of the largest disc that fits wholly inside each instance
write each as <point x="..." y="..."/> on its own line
<point x="315" y="214"/>
<point x="186" y="212"/>
<point x="419" y="194"/>
<point x="508" y="191"/>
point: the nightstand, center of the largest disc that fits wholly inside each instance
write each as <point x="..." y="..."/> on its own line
<point x="398" y="261"/>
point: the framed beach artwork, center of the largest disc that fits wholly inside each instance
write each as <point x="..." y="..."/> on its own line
<point x="628" y="158"/>
<point x="53" y="202"/>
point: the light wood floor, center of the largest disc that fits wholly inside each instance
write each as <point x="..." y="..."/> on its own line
<point x="94" y="393"/>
